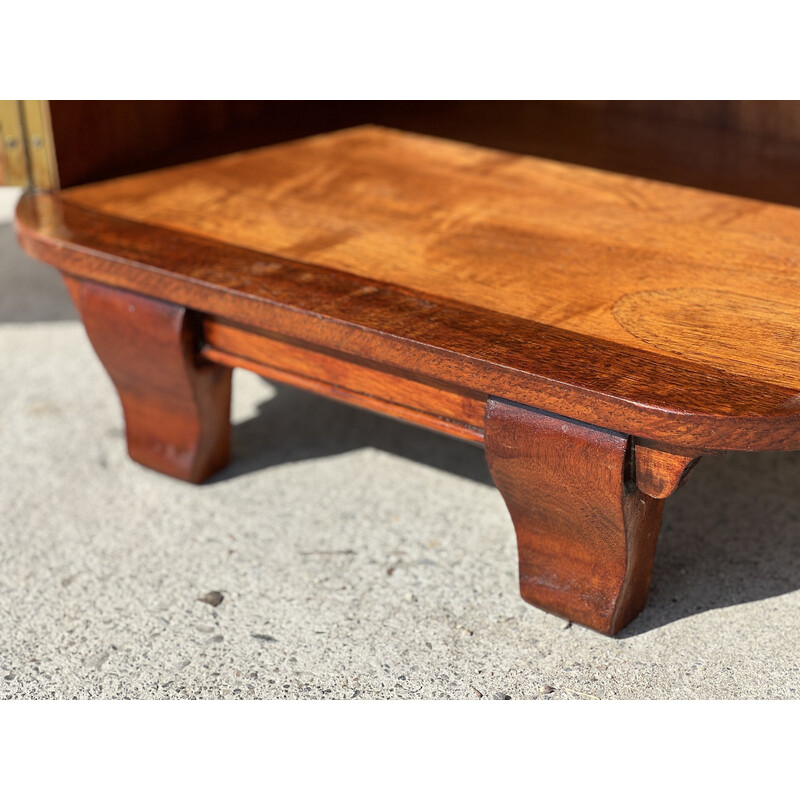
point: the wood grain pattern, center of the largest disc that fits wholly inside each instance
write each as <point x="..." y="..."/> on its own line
<point x="176" y="407"/>
<point x="586" y="534"/>
<point x="538" y="240"/>
<point x="362" y="384"/>
<point x="659" y="398"/>
<point x="659" y="473"/>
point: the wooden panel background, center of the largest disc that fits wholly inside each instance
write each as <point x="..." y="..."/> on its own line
<point x="746" y="147"/>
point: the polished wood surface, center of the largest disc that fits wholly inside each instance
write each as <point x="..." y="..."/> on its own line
<point x="460" y="347"/>
<point x="610" y="299"/>
<point x="586" y="534"/>
<point x="659" y="473"/>
<point x="176" y="406"/>
<point x="359" y="383"/>
<point x="658" y="268"/>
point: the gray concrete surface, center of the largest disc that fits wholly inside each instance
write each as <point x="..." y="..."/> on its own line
<point x="356" y="556"/>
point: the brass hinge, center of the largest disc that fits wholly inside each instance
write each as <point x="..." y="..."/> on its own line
<point x="27" y="153"/>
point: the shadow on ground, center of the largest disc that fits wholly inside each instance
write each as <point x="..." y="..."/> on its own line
<point x="730" y="536"/>
<point x="29" y="290"/>
<point x="296" y="425"/>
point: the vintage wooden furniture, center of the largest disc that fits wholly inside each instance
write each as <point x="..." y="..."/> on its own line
<point x="596" y="332"/>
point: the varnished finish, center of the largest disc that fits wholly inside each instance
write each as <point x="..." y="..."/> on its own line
<point x="177" y="408"/>
<point x="661" y="269"/>
<point x="358" y="383"/>
<point x="659" y="398"/>
<point x="659" y="473"/>
<point x="586" y="534"/>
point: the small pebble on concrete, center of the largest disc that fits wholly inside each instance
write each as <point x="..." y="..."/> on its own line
<point x="212" y="598"/>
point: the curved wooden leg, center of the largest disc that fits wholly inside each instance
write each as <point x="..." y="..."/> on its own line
<point x="177" y="408"/>
<point x="586" y="533"/>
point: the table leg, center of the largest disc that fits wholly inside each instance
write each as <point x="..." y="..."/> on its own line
<point x="176" y="407"/>
<point x="585" y="531"/>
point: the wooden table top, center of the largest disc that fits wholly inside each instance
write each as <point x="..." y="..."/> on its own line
<point x="671" y="301"/>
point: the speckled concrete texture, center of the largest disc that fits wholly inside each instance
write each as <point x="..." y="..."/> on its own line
<point x="356" y="557"/>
